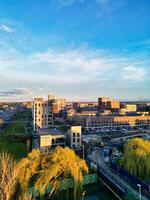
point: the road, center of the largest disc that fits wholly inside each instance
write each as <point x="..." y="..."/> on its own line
<point x="98" y="159"/>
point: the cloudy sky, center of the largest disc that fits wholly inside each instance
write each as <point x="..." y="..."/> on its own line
<point x="76" y="49"/>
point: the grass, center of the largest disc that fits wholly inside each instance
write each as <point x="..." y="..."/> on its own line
<point x="14" y="129"/>
<point x="17" y="149"/>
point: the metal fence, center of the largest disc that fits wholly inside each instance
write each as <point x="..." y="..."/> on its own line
<point x="134" y="181"/>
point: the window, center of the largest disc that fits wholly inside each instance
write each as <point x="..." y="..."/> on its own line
<point x="53" y="141"/>
<point x="74" y="134"/>
<point x="74" y="140"/>
<point x="78" y="134"/>
<point x="78" y="140"/>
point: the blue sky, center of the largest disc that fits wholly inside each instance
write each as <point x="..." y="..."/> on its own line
<point x="76" y="49"/>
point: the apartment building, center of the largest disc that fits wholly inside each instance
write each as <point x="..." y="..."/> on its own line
<point x="42" y="113"/>
<point x="128" y="108"/>
<point x="105" y="103"/>
<point x="51" y="138"/>
<point x="93" y="121"/>
<point x="80" y="104"/>
<point x="58" y="106"/>
<point x="74" y="137"/>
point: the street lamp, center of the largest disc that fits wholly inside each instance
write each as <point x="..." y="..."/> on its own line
<point x="83" y="151"/>
<point x="139" y="186"/>
<point x="83" y="194"/>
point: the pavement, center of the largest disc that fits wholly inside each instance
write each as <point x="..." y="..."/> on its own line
<point x="98" y="159"/>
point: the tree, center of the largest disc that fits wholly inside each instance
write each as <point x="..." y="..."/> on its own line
<point x="51" y="169"/>
<point x="8" y="176"/>
<point x="62" y="164"/>
<point x="39" y="171"/>
<point x="136" y="158"/>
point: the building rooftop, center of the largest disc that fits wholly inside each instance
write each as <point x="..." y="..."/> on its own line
<point x="51" y="131"/>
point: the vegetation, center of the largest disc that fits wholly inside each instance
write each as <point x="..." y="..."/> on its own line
<point x="12" y="138"/>
<point x="136" y="158"/>
<point x="15" y="129"/>
<point x="8" y="176"/>
<point x="40" y="172"/>
<point x="130" y="196"/>
<point x="17" y="149"/>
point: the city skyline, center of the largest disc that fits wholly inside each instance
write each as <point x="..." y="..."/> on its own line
<point x="76" y="49"/>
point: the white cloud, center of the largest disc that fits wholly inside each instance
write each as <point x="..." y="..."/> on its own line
<point x="71" y="71"/>
<point x="134" y="73"/>
<point x="6" y="28"/>
<point x="15" y="92"/>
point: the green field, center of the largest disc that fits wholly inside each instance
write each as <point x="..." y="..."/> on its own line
<point x="17" y="149"/>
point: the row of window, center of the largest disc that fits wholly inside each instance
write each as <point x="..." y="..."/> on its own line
<point x="41" y="104"/>
<point x="74" y="140"/>
<point x="76" y="134"/>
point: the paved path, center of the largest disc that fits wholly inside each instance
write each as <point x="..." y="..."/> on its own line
<point x="98" y="159"/>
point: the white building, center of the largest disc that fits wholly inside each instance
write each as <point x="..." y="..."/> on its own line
<point x="51" y="138"/>
<point x="42" y="113"/>
<point x="74" y="137"/>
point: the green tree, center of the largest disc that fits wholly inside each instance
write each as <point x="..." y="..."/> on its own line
<point x="63" y="164"/>
<point x="39" y="171"/>
<point x="51" y="169"/>
<point x="136" y="158"/>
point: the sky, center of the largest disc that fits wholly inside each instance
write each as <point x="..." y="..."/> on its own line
<point x="74" y="49"/>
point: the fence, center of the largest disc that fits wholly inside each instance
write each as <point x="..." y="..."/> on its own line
<point x="134" y="181"/>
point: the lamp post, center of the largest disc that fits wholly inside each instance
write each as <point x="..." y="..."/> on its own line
<point x="83" y="151"/>
<point x="83" y="194"/>
<point x="139" y="186"/>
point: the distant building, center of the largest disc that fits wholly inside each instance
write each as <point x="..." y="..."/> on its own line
<point x="58" y="106"/>
<point x="77" y="105"/>
<point x="28" y="104"/>
<point x="106" y="120"/>
<point x="128" y="108"/>
<point x="105" y="103"/>
<point x="51" y="138"/>
<point x="74" y="137"/>
<point x="42" y="113"/>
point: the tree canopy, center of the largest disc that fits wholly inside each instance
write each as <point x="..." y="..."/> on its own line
<point x="41" y="171"/>
<point x="136" y="158"/>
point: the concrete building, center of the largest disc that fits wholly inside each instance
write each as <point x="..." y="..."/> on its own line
<point x="58" y="105"/>
<point x="42" y="113"/>
<point x="51" y="138"/>
<point x="105" y="120"/>
<point x="105" y="103"/>
<point x="74" y="137"/>
<point x="128" y="108"/>
<point x="80" y="104"/>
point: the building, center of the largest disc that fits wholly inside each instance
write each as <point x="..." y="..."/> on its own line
<point x="116" y="120"/>
<point x="51" y="138"/>
<point x="74" y="137"/>
<point x="105" y="103"/>
<point x="131" y="108"/>
<point x="58" y="106"/>
<point x="80" y="104"/>
<point x="42" y="113"/>
<point x="106" y="120"/>
<point x="128" y="108"/>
